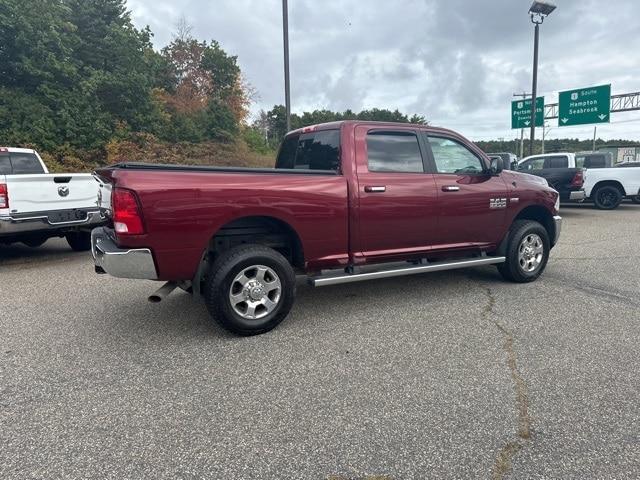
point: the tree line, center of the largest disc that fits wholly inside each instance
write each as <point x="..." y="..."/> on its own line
<point x="78" y="73"/>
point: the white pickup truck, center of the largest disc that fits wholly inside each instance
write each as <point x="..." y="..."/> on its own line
<point x="606" y="187"/>
<point x="36" y="205"/>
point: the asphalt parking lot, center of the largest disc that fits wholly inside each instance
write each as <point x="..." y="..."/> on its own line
<point x="446" y="375"/>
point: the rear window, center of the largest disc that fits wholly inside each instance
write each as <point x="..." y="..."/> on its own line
<point x="311" y="151"/>
<point x="591" y="161"/>
<point x="24" y="163"/>
<point x="5" y="164"/>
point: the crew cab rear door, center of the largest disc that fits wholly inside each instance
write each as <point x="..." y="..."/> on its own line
<point x="472" y="203"/>
<point x="397" y="213"/>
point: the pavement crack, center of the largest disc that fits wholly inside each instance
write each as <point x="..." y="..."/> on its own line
<point x="504" y="459"/>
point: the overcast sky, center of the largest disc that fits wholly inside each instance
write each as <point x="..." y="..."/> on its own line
<point x="458" y="62"/>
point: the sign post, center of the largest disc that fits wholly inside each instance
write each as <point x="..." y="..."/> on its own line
<point x="521" y="113"/>
<point x="584" y="105"/>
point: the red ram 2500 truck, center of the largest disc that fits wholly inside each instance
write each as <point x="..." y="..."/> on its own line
<point x="346" y="201"/>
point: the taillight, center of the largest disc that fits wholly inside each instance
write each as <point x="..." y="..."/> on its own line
<point x="4" y="196"/>
<point x="578" y="179"/>
<point x="127" y="218"/>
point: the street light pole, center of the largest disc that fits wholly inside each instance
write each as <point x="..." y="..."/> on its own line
<point x="285" y="34"/>
<point x="534" y="87"/>
<point x="539" y="11"/>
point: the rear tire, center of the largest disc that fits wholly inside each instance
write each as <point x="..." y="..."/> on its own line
<point x="636" y="199"/>
<point x="607" y="197"/>
<point x="527" y="252"/>
<point x="250" y="289"/>
<point x="79" y="241"/>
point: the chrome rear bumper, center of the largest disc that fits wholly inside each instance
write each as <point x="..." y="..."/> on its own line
<point x="557" y="221"/>
<point x="14" y="225"/>
<point x="577" y="196"/>
<point x="121" y="262"/>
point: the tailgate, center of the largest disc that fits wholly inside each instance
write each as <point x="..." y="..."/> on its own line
<point x="45" y="192"/>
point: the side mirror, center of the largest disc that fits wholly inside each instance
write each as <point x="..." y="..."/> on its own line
<point x="496" y="166"/>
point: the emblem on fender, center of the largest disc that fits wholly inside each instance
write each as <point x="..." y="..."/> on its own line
<point x="497" y="203"/>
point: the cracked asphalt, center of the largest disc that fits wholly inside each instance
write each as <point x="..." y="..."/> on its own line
<point x="444" y="375"/>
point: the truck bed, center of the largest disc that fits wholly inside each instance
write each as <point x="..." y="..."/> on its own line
<point x="185" y="205"/>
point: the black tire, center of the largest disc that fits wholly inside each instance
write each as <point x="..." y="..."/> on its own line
<point x="35" y="242"/>
<point x="636" y="199"/>
<point x="512" y="269"/>
<point x="607" y="197"/>
<point x="79" y="241"/>
<point x="221" y="279"/>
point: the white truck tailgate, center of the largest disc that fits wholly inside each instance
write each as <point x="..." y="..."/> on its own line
<point x="46" y="192"/>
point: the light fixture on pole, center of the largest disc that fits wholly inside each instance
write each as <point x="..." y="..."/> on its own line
<point x="538" y="12"/>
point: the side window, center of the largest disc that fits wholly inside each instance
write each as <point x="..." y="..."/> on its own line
<point x="532" y="164"/>
<point x="394" y="152"/>
<point x="557" y="162"/>
<point x="24" y="163"/>
<point x="453" y="157"/>
<point x="311" y="151"/>
<point x="5" y="165"/>
<point x="580" y="161"/>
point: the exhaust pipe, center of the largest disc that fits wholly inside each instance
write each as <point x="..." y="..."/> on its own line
<point x="162" y="292"/>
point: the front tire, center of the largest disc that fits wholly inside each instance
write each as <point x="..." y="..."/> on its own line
<point x="527" y="252"/>
<point x="250" y="289"/>
<point x="607" y="197"/>
<point x="79" y="241"/>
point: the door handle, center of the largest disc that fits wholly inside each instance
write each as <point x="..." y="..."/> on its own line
<point x="450" y="188"/>
<point x="375" y="189"/>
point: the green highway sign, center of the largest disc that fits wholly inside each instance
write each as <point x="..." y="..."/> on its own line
<point x="521" y="113"/>
<point x="584" y="105"/>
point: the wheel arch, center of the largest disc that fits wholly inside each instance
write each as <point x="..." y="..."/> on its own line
<point x="536" y="213"/>
<point x="265" y="230"/>
<point x="609" y="183"/>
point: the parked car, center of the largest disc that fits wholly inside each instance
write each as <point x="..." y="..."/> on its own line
<point x="606" y="187"/>
<point x="509" y="160"/>
<point x="36" y="205"/>
<point x="346" y="202"/>
<point x="568" y="181"/>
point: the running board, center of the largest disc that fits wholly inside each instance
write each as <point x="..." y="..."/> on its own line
<point x="333" y="279"/>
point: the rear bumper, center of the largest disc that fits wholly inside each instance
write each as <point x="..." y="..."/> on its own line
<point x="11" y="226"/>
<point x="121" y="262"/>
<point x="577" y="196"/>
<point x="557" y="221"/>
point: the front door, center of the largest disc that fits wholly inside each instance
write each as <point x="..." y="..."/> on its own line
<point x="397" y="212"/>
<point x="472" y="202"/>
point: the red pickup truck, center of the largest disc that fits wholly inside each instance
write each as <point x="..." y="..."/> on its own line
<point x="346" y="201"/>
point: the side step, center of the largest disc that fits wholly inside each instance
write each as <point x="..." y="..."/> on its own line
<point x="335" y="279"/>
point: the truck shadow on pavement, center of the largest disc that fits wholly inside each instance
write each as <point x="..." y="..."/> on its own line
<point x="180" y="314"/>
<point x="19" y="253"/>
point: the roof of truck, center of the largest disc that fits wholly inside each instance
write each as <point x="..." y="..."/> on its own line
<point x="340" y="123"/>
<point x="17" y="150"/>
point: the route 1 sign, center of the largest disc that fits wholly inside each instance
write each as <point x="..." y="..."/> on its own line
<point x="521" y="113"/>
<point x="584" y="105"/>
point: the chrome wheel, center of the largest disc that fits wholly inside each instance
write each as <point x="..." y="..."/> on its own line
<point x="530" y="252"/>
<point x="255" y="292"/>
